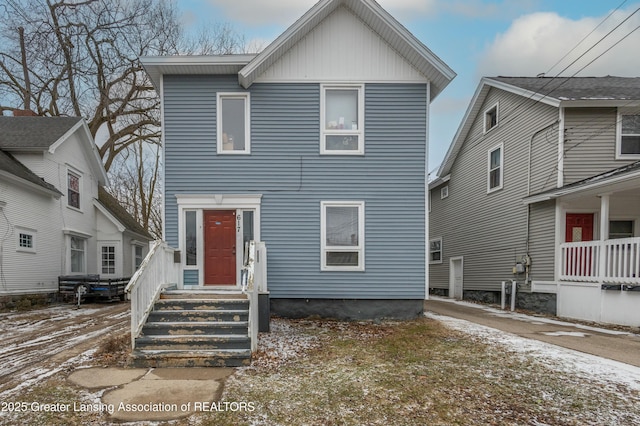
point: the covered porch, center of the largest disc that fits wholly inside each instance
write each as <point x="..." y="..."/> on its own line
<point x="597" y="250"/>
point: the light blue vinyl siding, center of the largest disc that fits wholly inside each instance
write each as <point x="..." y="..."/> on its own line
<point x="190" y="277"/>
<point x="286" y="168"/>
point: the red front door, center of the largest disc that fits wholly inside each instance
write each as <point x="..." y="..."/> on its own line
<point x="579" y="260"/>
<point x="219" y="247"/>
<point x="579" y="227"/>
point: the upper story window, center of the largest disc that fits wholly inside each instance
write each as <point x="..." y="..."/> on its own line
<point x="342" y="242"/>
<point x="628" y="141"/>
<point x="444" y="192"/>
<point x="342" y="120"/>
<point x="233" y="123"/>
<point x="73" y="190"/>
<point x="495" y="167"/>
<point x="491" y="118"/>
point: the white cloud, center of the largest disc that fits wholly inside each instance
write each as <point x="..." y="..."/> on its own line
<point x="285" y="12"/>
<point x="535" y="43"/>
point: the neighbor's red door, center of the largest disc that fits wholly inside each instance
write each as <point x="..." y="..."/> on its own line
<point x="219" y="247"/>
<point x="579" y="227"/>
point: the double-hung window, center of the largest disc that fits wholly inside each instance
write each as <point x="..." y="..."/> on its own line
<point x="73" y="190"/>
<point x="435" y="250"/>
<point x="77" y="248"/>
<point x="628" y="141"/>
<point x="233" y="121"/>
<point x="495" y="168"/>
<point x="342" y="224"/>
<point x="342" y="119"/>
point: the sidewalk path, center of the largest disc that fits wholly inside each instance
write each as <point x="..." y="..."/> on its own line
<point x="622" y="346"/>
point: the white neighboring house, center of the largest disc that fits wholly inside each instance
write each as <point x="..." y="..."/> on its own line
<point x="55" y="219"/>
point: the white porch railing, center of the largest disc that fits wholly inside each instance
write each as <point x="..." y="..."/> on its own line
<point x="611" y="261"/>
<point x="254" y="283"/>
<point x="156" y="272"/>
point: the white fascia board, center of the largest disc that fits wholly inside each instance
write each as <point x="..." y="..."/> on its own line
<point x="604" y="103"/>
<point x="473" y="109"/>
<point x="109" y="216"/>
<point x="90" y="148"/>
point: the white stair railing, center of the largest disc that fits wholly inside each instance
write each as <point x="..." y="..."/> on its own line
<point x="156" y="272"/>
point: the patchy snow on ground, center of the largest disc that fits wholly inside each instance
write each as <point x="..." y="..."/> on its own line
<point x="588" y="366"/>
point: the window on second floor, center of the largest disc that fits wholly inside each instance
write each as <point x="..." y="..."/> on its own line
<point x="490" y="118"/>
<point x="628" y="141"/>
<point x="444" y="192"/>
<point x="233" y="123"/>
<point x="342" y="120"/>
<point x="495" y="167"/>
<point x="73" y="190"/>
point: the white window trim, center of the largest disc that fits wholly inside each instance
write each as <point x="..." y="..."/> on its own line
<point x="432" y="262"/>
<point x="484" y="118"/>
<point x="444" y="192"/>
<point x="27" y="231"/>
<point x="324" y="132"/>
<point x="323" y="237"/>
<point x="116" y="262"/>
<point x="135" y="244"/>
<point x="619" y="154"/>
<point x="76" y="172"/>
<point x="499" y="187"/>
<point x="247" y="121"/>
<point x="84" y="258"/>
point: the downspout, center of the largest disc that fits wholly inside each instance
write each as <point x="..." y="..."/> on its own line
<point x="426" y="194"/>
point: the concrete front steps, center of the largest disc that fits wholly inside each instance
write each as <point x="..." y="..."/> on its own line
<point x="187" y="329"/>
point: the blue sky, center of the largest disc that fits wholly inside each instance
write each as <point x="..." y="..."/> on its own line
<point x="474" y="37"/>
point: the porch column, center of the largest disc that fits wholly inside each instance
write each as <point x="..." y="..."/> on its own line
<point x="604" y="217"/>
<point x="604" y="235"/>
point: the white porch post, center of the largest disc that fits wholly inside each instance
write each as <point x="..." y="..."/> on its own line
<point x="604" y="235"/>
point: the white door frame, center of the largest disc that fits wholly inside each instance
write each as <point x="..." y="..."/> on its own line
<point x="452" y="279"/>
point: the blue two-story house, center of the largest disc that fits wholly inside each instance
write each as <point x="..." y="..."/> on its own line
<point x="317" y="146"/>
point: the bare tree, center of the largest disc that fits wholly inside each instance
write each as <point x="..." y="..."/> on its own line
<point x="81" y="58"/>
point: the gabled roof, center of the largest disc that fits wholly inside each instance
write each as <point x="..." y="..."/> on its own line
<point x="250" y="67"/>
<point x="120" y="214"/>
<point x="554" y="91"/>
<point x="34" y="133"/>
<point x="14" y="170"/>
<point x="628" y="175"/>
<point x="40" y="134"/>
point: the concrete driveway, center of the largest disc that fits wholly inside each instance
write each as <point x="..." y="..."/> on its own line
<point x="619" y="344"/>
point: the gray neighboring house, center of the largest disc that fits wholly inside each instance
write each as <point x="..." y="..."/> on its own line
<point x="317" y="147"/>
<point x="541" y="185"/>
<point x="55" y="218"/>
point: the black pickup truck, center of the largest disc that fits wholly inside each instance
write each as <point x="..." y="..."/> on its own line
<point x="82" y="287"/>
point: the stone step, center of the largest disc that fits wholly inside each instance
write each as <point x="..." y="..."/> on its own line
<point x="208" y="295"/>
<point x="199" y="316"/>
<point x="201" y="305"/>
<point x="190" y="358"/>
<point x="190" y="342"/>
<point x="195" y="328"/>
